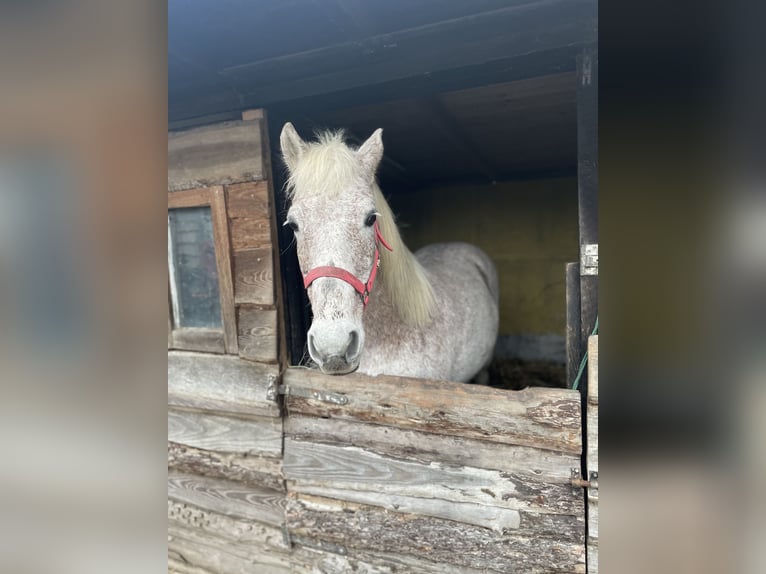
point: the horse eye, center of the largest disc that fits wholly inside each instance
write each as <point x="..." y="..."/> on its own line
<point x="292" y="225"/>
<point x="370" y="221"/>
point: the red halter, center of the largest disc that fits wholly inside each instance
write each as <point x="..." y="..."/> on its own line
<point x="363" y="289"/>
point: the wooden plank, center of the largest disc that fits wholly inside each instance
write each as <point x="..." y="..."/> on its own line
<point x="573" y="346"/>
<point x="258" y="334"/>
<point x="196" y="554"/>
<point x="222" y="153"/>
<point x="444" y="542"/>
<point x="228" y="497"/>
<point x="184" y="517"/>
<point x="250" y="233"/>
<point x="250" y="199"/>
<point x="198" y="339"/>
<point x="223" y="264"/>
<point x="249" y="470"/>
<point x="308" y="558"/>
<point x="591" y="423"/>
<point x="226" y="434"/>
<point x="536" y="417"/>
<point x="223" y="384"/>
<point x="254" y="279"/>
<point x="189" y="198"/>
<point x="425" y="447"/>
<point x="487" y="498"/>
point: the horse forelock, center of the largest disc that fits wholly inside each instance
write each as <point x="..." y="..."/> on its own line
<point x="329" y="166"/>
<point x="326" y="167"/>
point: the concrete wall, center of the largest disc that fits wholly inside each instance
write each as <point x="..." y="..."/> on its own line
<point x="529" y="229"/>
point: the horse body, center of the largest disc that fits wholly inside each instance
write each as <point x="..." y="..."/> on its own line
<point x="433" y="314"/>
<point x="460" y="339"/>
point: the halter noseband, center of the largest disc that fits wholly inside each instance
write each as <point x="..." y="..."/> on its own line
<point x="364" y="289"/>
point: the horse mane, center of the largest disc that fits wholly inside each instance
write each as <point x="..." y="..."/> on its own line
<point x="325" y="168"/>
<point x="404" y="278"/>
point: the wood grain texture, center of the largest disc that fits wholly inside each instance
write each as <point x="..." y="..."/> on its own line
<point x="184" y="517"/>
<point x="254" y="277"/>
<point x="196" y="554"/>
<point x="198" y="339"/>
<point x="591" y="422"/>
<point x="536" y="417"/>
<point x="308" y="558"/>
<point x="223" y="153"/>
<point x="250" y="233"/>
<point x="441" y="541"/>
<point x="223" y="264"/>
<point x="228" y="497"/>
<point x="189" y="198"/>
<point x="258" y="334"/>
<point x="220" y="383"/>
<point x="246" y="469"/>
<point x="487" y="498"/>
<point x="226" y="434"/>
<point x="423" y="447"/>
<point x="250" y="199"/>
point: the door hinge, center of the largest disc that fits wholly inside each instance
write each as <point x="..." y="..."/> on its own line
<point x="589" y="259"/>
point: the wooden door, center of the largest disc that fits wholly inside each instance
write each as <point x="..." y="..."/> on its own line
<point x="433" y="476"/>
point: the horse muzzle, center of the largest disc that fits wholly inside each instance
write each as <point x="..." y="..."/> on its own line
<point x="335" y="346"/>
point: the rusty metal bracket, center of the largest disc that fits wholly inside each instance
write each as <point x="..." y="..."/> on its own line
<point x="324" y="396"/>
<point x="578" y="481"/>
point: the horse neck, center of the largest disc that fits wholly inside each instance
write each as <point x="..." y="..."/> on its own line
<point x="401" y="274"/>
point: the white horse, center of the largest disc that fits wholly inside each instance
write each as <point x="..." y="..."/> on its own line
<point x="432" y="314"/>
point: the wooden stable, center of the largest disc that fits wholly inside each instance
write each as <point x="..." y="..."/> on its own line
<point x="276" y="468"/>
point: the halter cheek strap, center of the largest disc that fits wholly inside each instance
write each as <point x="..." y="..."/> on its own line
<point x="364" y="289"/>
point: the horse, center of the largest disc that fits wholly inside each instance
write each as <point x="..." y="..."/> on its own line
<point x="432" y="314"/>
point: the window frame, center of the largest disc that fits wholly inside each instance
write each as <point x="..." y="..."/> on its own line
<point x="221" y="340"/>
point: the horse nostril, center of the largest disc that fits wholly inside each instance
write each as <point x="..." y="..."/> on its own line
<point x="353" y="346"/>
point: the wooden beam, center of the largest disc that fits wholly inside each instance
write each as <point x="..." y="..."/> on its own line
<point x="469" y="40"/>
<point x="441" y="118"/>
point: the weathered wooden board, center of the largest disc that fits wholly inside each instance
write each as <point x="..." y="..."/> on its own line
<point x="253" y="276"/>
<point x="226" y="434"/>
<point x="536" y="417"/>
<point x="248" y="470"/>
<point x="250" y="233"/>
<point x="220" y="383"/>
<point x="257" y="330"/>
<point x="184" y="517"/>
<point x="228" y="497"/>
<point x="218" y="154"/>
<point x="190" y="554"/>
<point x="426" y="447"/>
<point x="198" y="339"/>
<point x="351" y="525"/>
<point x="310" y="559"/>
<point x="250" y="199"/>
<point x="591" y="422"/>
<point x="487" y="498"/>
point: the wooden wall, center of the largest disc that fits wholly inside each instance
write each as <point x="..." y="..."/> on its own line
<point x="284" y="470"/>
<point x="226" y="489"/>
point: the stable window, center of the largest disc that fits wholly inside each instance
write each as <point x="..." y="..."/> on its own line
<point x="200" y="292"/>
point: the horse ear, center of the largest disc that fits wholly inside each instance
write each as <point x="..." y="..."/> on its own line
<point x="371" y="151"/>
<point x="292" y="145"/>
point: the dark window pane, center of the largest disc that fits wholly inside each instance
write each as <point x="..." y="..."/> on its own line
<point x="194" y="276"/>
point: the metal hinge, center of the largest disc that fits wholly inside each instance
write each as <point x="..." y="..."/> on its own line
<point x="324" y="396"/>
<point x="589" y="259"/>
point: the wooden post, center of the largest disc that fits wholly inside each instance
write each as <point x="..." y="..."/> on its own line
<point x="573" y="346"/>
<point x="587" y="180"/>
